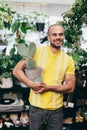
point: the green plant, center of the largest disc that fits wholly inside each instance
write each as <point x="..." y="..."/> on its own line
<point x="33" y="71"/>
<point x="28" y="52"/>
<point x="73" y="21"/>
<point x="5" y="67"/>
<point x="6" y="19"/>
<point x="7" y="63"/>
<point x="22" y="23"/>
<point x="6" y="15"/>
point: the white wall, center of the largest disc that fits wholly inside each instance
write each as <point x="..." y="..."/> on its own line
<point x="46" y="8"/>
<point x="67" y="2"/>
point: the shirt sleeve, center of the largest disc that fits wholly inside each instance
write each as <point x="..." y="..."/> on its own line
<point x="70" y="66"/>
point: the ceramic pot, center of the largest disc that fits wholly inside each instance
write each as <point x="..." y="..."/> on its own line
<point x="7" y="83"/>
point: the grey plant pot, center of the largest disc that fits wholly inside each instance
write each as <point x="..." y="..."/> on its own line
<point x="7" y="83"/>
<point x="34" y="75"/>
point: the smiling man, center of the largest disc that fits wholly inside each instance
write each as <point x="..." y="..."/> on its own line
<point x="46" y="97"/>
<point x="56" y="36"/>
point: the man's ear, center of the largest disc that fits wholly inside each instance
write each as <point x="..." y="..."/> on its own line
<point x="48" y="38"/>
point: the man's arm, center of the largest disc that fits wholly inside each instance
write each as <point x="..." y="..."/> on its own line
<point x="68" y="87"/>
<point x="21" y="76"/>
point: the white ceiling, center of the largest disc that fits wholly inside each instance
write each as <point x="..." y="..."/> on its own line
<point x="64" y="2"/>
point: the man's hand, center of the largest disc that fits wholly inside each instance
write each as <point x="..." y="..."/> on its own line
<point x="39" y="87"/>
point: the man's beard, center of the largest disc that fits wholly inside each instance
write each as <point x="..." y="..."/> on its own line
<point x="54" y="46"/>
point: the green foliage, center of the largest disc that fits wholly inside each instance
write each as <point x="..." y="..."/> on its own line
<point x="17" y="22"/>
<point x="1" y="25"/>
<point x="5" y="65"/>
<point x="6" y="15"/>
<point x="80" y="58"/>
<point x="73" y="21"/>
<point x="8" y="62"/>
<point x="15" y="26"/>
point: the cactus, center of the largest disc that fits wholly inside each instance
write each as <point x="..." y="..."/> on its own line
<point x="30" y="63"/>
<point x="32" y="49"/>
<point x="32" y="71"/>
<point x="28" y="52"/>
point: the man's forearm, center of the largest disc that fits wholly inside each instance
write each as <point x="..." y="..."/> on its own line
<point x="61" y="88"/>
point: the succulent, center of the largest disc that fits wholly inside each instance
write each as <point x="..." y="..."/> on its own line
<point x="30" y="63"/>
<point x="28" y="51"/>
<point x="32" y="71"/>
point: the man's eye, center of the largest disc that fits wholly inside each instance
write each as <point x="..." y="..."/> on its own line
<point x="54" y="34"/>
<point x="61" y="34"/>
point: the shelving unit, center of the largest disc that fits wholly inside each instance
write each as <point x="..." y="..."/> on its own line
<point x="14" y="115"/>
<point x="79" y="120"/>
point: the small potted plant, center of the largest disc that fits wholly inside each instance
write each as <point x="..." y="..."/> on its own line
<point x="7" y="63"/>
<point x="32" y="70"/>
<point x="5" y="72"/>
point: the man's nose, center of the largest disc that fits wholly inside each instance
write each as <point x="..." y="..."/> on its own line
<point x="57" y="36"/>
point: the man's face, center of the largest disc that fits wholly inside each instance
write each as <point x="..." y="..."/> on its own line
<point x="56" y="36"/>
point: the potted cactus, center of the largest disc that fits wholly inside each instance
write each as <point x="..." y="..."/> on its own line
<point x="32" y="70"/>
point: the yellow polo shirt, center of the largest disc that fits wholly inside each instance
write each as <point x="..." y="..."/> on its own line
<point x="55" y="67"/>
